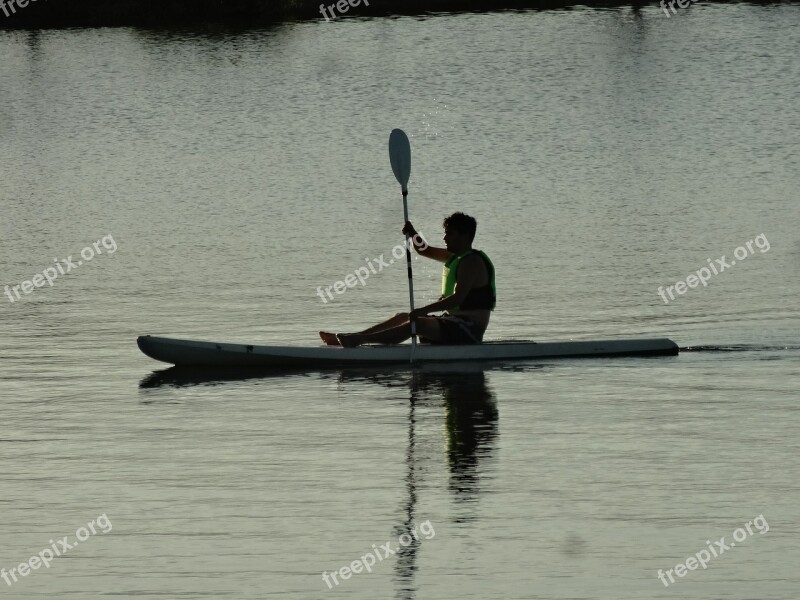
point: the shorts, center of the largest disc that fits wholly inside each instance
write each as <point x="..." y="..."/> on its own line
<point x="456" y="331"/>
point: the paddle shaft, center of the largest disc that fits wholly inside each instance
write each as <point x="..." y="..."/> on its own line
<point x="410" y="276"/>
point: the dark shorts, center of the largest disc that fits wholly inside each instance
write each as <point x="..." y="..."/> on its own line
<point x="456" y="330"/>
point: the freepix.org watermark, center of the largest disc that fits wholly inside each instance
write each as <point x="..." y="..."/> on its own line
<point x="718" y="548"/>
<point x="50" y="274"/>
<point x="672" y="3"/>
<point x="366" y="562"/>
<point x="57" y="548"/>
<point x="361" y="274"/>
<point x="342" y="6"/>
<point x="5" y="5"/>
<point x="703" y="275"/>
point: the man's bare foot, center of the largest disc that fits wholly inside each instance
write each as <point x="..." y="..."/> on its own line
<point x="329" y="338"/>
<point x="349" y="340"/>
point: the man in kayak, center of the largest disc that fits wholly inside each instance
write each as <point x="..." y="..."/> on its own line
<point x="468" y="295"/>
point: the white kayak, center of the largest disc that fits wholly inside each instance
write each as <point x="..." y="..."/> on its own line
<point x="191" y="353"/>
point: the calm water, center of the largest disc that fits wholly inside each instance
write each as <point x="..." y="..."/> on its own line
<point x="225" y="176"/>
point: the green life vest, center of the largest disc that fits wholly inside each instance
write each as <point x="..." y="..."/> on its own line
<point x="451" y="270"/>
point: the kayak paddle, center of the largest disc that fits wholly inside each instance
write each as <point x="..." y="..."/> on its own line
<point x="400" y="157"/>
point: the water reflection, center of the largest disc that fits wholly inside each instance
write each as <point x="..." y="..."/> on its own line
<point x="471" y="418"/>
<point x="471" y="430"/>
<point x="470" y="424"/>
<point x="189" y="376"/>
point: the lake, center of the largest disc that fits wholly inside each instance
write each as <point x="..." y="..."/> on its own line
<point x="210" y="180"/>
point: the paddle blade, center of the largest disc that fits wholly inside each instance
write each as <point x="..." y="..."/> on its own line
<point x="400" y="156"/>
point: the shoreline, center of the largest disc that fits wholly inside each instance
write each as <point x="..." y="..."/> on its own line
<point x="49" y="14"/>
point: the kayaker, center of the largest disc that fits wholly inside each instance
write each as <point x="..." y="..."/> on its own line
<point x="468" y="295"/>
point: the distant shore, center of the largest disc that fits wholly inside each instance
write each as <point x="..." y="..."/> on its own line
<point x="33" y="14"/>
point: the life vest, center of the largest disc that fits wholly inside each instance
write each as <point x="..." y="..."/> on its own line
<point x="450" y="271"/>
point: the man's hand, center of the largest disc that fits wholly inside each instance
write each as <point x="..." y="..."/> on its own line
<point x="416" y="313"/>
<point x="421" y="245"/>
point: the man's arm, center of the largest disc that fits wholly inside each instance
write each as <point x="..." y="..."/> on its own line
<point x="467" y="275"/>
<point x="422" y="248"/>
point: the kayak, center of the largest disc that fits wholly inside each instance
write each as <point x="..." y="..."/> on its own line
<point x="190" y="353"/>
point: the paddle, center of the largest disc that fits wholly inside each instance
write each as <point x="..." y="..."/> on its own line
<point x="400" y="157"/>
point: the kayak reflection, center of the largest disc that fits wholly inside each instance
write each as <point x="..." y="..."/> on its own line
<point x="190" y="376"/>
<point x="470" y="417"/>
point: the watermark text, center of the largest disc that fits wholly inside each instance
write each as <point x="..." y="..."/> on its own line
<point x="361" y="274"/>
<point x="703" y="275"/>
<point x="378" y="553"/>
<point x="718" y="548"/>
<point x="64" y="266"/>
<point x="56" y="549"/>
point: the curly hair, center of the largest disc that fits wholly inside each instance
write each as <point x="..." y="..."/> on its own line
<point x="462" y="223"/>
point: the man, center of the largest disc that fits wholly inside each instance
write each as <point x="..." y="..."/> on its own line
<point x="468" y="295"/>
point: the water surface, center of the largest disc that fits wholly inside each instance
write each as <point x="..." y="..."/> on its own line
<point x="605" y="153"/>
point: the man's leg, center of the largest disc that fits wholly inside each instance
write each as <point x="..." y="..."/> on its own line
<point x="398" y="319"/>
<point x="394" y="321"/>
<point x="427" y="327"/>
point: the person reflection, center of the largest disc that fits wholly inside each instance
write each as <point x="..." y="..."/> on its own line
<point x="470" y="418"/>
<point x="471" y="425"/>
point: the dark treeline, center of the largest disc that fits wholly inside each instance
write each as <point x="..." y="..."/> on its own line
<point x="95" y="13"/>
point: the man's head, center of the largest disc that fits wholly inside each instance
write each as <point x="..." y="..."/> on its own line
<point x="459" y="231"/>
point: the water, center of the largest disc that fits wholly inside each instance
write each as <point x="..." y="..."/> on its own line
<point x="605" y="153"/>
